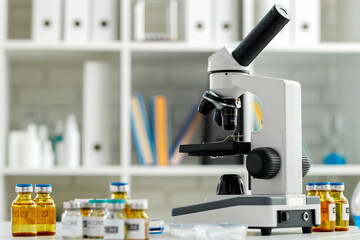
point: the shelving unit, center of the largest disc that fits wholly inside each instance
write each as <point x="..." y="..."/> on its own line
<point x="128" y="54"/>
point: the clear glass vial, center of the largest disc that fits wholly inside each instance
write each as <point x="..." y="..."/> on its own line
<point x="95" y="220"/>
<point x="114" y="222"/>
<point x="71" y="221"/>
<point x="341" y="206"/>
<point x="85" y="210"/>
<point x="46" y="210"/>
<point x="327" y="208"/>
<point x="310" y="188"/>
<point x="23" y="212"/>
<point x="137" y="222"/>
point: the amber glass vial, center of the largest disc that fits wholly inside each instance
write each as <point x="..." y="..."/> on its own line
<point x="341" y="206"/>
<point x="23" y="212"/>
<point x="85" y="211"/>
<point x="137" y="223"/>
<point x="46" y="210"/>
<point x="120" y="190"/>
<point x="327" y="208"/>
<point x="310" y="188"/>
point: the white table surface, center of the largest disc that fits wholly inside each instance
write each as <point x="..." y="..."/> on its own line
<point x="253" y="234"/>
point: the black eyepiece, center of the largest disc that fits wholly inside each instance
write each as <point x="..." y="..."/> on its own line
<point x="229" y="117"/>
<point x="205" y="107"/>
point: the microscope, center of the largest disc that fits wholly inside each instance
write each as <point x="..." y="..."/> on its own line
<point x="274" y="157"/>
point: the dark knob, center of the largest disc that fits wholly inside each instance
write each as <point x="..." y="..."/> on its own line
<point x="263" y="163"/>
<point x="306" y="164"/>
<point x="230" y="184"/>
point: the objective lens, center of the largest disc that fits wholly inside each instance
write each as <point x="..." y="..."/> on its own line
<point x="205" y="107"/>
<point x="229" y="116"/>
<point x="217" y="117"/>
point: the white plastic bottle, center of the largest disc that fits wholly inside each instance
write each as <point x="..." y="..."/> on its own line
<point x="32" y="153"/>
<point x="72" y="142"/>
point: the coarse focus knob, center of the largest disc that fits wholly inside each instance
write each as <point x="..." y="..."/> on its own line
<point x="306" y="164"/>
<point x="263" y="163"/>
<point x="230" y="184"/>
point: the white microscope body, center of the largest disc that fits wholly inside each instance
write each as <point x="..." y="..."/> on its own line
<point x="275" y="161"/>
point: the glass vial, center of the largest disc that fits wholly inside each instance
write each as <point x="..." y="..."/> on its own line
<point x="85" y="211"/>
<point x="71" y="221"/>
<point x="120" y="190"/>
<point x="95" y="221"/>
<point x="137" y="222"/>
<point x="310" y="188"/>
<point x="23" y="212"/>
<point x="46" y="210"/>
<point x="327" y="208"/>
<point x="341" y="206"/>
<point x="114" y="222"/>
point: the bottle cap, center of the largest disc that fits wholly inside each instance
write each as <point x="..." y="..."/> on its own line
<point x="338" y="186"/>
<point x="138" y="204"/>
<point x="115" y="204"/>
<point x="310" y="186"/>
<point x="97" y="203"/>
<point x="84" y="202"/>
<point x="23" y="188"/>
<point x="322" y="186"/>
<point x="71" y="205"/>
<point x="119" y="187"/>
<point x="47" y="188"/>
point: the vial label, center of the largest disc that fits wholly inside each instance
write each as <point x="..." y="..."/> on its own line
<point x="332" y="212"/>
<point x="95" y="226"/>
<point x="114" y="229"/>
<point x="23" y="215"/>
<point x="136" y="228"/>
<point x="71" y="227"/>
<point x="85" y="233"/>
<point x="345" y="212"/>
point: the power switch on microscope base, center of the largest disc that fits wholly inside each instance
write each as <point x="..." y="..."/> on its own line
<point x="284" y="216"/>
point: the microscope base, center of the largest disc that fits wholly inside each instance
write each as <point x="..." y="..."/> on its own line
<point x="263" y="212"/>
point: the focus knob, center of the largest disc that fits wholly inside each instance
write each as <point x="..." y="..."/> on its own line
<point x="306" y="164"/>
<point x="263" y="163"/>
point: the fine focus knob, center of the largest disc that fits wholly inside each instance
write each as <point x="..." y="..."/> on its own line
<point x="306" y="164"/>
<point x="230" y="184"/>
<point x="263" y="163"/>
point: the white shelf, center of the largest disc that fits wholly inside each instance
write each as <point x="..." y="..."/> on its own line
<point x="101" y="171"/>
<point x="184" y="170"/>
<point x="180" y="46"/>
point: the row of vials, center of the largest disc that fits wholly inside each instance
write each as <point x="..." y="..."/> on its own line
<point x="114" y="218"/>
<point x="334" y="206"/>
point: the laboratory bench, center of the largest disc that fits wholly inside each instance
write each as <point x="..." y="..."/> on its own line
<point x="253" y="234"/>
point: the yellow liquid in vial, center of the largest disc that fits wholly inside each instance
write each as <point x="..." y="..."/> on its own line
<point x="133" y="214"/>
<point x="46" y="214"/>
<point x="326" y="225"/>
<point x="23" y="216"/>
<point x="122" y="195"/>
<point x="340" y="200"/>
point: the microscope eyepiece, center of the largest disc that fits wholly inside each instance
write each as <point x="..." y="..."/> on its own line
<point x="229" y="118"/>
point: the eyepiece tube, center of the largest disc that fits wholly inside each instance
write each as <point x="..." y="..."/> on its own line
<point x="261" y="35"/>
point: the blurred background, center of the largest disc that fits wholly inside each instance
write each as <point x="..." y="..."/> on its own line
<point x="94" y="91"/>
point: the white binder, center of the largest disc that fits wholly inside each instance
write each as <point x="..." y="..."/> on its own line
<point x="77" y="19"/>
<point x="227" y="24"/>
<point x="96" y="114"/>
<point x="284" y="37"/>
<point x="307" y="21"/>
<point x="198" y="21"/>
<point x="104" y="24"/>
<point x="46" y="20"/>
